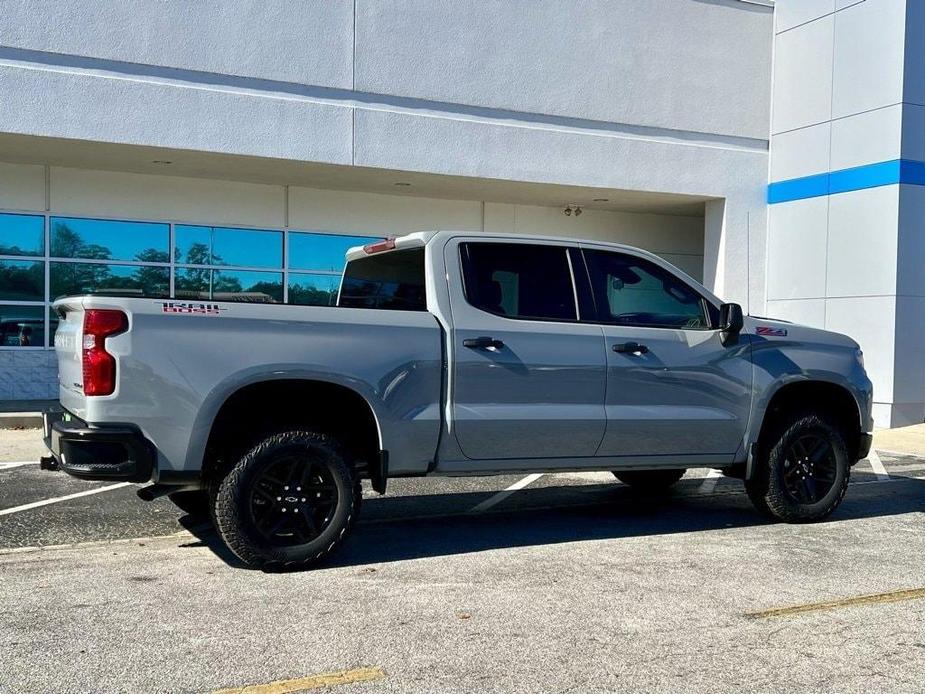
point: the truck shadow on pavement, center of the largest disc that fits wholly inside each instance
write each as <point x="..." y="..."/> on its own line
<point x="414" y="527"/>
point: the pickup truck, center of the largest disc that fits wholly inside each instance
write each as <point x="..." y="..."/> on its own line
<point x="451" y="353"/>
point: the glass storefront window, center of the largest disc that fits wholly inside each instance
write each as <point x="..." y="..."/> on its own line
<point x="22" y="280"/>
<point x="52" y="326"/>
<point x="126" y="280"/>
<point x="22" y="326"/>
<point x="89" y="256"/>
<point x="229" y="285"/>
<point x="196" y="245"/>
<point x="309" y="251"/>
<point x="22" y="234"/>
<point x="101" y="239"/>
<point x="313" y="289"/>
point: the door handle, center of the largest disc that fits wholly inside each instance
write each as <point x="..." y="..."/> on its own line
<point x="483" y="342"/>
<point x="630" y="348"/>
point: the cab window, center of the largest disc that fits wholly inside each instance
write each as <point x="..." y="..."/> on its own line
<point x="519" y="280"/>
<point x="629" y="290"/>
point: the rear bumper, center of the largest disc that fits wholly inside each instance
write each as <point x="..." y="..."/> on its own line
<point x="97" y="452"/>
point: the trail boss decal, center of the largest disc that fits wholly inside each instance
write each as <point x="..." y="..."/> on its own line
<point x="771" y="332"/>
<point x="186" y="307"/>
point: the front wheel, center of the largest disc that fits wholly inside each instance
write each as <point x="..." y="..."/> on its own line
<point x="289" y="502"/>
<point x="649" y="480"/>
<point x="803" y="474"/>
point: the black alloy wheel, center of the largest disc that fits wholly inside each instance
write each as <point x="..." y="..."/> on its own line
<point x="810" y="468"/>
<point x="293" y="500"/>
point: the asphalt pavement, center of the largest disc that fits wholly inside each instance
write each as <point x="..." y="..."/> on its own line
<point x="571" y="583"/>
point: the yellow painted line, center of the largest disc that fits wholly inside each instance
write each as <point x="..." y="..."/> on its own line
<point x="875" y="599"/>
<point x="302" y="684"/>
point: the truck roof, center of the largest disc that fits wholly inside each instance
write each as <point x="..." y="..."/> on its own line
<point x="422" y="238"/>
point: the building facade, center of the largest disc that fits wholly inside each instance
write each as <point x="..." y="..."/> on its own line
<point x="233" y="150"/>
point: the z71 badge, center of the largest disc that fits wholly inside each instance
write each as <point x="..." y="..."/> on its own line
<point x="191" y="308"/>
<point x="770" y="332"/>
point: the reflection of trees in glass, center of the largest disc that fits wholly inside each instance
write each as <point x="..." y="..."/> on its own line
<point x="66" y="243"/>
<point x="311" y="296"/>
<point x="80" y="278"/>
<point x="22" y="281"/>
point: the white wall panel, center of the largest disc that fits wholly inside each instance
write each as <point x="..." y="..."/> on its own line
<point x="868" y="65"/>
<point x="803" y="75"/>
<point x="790" y="13"/>
<point x="870" y="320"/>
<point x="802" y="152"/>
<point x="867" y="138"/>
<point x="797" y="249"/>
<point x="658" y="63"/>
<point x="22" y="187"/>
<point x="862" y="243"/>
<point x="803" y="311"/>
<point x="374" y="214"/>
<point x="140" y="196"/>
<point x="304" y="42"/>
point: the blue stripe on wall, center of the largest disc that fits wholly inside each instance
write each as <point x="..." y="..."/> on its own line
<point x="884" y="173"/>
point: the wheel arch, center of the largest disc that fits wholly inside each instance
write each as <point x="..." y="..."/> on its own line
<point x="829" y="397"/>
<point x="261" y="404"/>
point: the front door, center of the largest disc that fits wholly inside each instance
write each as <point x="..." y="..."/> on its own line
<point x="528" y="378"/>
<point x="673" y="388"/>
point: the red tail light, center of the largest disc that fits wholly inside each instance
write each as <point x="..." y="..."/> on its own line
<point x="99" y="365"/>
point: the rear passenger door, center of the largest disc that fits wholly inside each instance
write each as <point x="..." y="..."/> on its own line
<point x="528" y="377"/>
<point x="673" y="388"/>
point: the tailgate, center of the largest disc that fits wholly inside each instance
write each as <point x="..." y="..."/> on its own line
<point x="68" y="338"/>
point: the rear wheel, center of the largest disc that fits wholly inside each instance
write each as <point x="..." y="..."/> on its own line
<point x="288" y="502"/>
<point x="803" y="473"/>
<point x="649" y="480"/>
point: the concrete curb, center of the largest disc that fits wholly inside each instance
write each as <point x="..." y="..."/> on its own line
<point x="20" y="420"/>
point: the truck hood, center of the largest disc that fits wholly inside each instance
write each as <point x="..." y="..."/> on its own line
<point x="773" y="329"/>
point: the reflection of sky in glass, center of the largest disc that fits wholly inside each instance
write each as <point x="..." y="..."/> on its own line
<point x="322" y="251"/>
<point x="104" y="239"/>
<point x="22" y="234"/>
<point x="22" y="326"/>
<point x="243" y="247"/>
<point x="313" y="290"/>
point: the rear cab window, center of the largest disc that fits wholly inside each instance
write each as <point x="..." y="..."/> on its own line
<point x="518" y="280"/>
<point x="392" y="281"/>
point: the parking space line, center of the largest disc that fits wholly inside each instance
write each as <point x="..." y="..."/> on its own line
<point x="875" y="599"/>
<point x="709" y="482"/>
<point x="877" y="465"/>
<point x="502" y="495"/>
<point x="57" y="499"/>
<point x="9" y="466"/>
<point x="301" y="684"/>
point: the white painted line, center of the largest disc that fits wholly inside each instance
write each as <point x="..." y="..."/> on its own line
<point x="709" y="482"/>
<point x="502" y="495"/>
<point x="877" y="465"/>
<point x="10" y="466"/>
<point x="57" y="499"/>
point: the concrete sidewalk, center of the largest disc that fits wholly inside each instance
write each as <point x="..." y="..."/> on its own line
<point x="909" y="440"/>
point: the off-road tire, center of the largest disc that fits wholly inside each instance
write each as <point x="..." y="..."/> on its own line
<point x="649" y="481"/>
<point x="767" y="488"/>
<point x="194" y="502"/>
<point x="231" y="502"/>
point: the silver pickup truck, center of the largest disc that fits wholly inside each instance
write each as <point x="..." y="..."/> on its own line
<point x="451" y="353"/>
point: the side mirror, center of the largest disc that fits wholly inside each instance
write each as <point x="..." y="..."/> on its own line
<point x="731" y="322"/>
